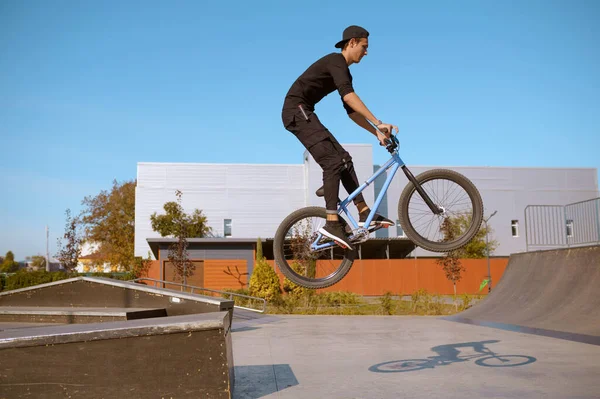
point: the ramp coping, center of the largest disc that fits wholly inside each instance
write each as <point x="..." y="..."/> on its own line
<point x="127" y="284"/>
<point x="66" y="311"/>
<point x="61" y="334"/>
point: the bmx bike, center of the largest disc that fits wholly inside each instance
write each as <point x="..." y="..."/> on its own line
<point x="439" y="210"/>
<point x="487" y="359"/>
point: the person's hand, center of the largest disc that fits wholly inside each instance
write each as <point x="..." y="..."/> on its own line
<point x="387" y="130"/>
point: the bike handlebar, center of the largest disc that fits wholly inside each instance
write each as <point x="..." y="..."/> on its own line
<point x="392" y="142"/>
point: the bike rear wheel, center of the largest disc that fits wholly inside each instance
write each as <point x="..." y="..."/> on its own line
<point x="462" y="211"/>
<point x="400" y="366"/>
<point x="298" y="262"/>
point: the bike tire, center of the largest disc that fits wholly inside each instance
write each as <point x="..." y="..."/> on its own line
<point x="441" y="246"/>
<point x="505" y="361"/>
<point x="401" y="366"/>
<point x="286" y="268"/>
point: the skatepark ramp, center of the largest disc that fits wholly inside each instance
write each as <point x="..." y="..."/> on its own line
<point x="101" y="338"/>
<point x="552" y="293"/>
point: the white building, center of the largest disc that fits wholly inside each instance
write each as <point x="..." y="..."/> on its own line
<point x="249" y="201"/>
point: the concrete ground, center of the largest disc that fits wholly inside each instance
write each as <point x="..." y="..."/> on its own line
<point x="395" y="357"/>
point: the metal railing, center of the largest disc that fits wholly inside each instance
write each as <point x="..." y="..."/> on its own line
<point x="224" y="294"/>
<point x="559" y="226"/>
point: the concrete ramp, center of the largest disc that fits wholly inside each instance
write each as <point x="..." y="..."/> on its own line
<point x="103" y="338"/>
<point x="553" y="293"/>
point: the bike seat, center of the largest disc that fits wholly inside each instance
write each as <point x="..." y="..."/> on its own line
<point x="320" y="192"/>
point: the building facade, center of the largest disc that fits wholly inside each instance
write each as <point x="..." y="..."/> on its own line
<point x="247" y="201"/>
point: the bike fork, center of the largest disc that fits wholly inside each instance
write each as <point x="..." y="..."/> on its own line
<point x="434" y="208"/>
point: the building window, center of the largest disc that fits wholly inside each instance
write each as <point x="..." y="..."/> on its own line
<point x="569" y="227"/>
<point x="399" y="230"/>
<point x="514" y="225"/>
<point x="227" y="228"/>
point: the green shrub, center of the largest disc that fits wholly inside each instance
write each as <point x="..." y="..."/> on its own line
<point x="387" y="304"/>
<point x="2" y="281"/>
<point x="419" y="298"/>
<point x="291" y="288"/>
<point x="239" y="300"/>
<point x="436" y="305"/>
<point x="24" y="278"/>
<point x="288" y="304"/>
<point x="338" y="298"/>
<point x="264" y="282"/>
<point x="426" y="304"/>
<point x="465" y="302"/>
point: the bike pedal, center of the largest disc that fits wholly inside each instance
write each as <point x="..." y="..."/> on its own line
<point x="341" y="245"/>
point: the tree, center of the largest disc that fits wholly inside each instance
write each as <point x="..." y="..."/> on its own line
<point x="452" y="266"/>
<point x="264" y="282"/>
<point x="452" y="227"/>
<point x="8" y="264"/>
<point x="178" y="254"/>
<point x="108" y="219"/>
<point x="476" y="248"/>
<point x="38" y="262"/>
<point x="69" y="251"/>
<point x="170" y="223"/>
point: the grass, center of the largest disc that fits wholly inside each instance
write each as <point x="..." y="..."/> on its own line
<point x="308" y="302"/>
<point x="420" y="303"/>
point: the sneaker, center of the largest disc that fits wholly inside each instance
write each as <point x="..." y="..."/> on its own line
<point x="334" y="231"/>
<point x="378" y="220"/>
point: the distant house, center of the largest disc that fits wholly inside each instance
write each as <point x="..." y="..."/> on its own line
<point x="91" y="261"/>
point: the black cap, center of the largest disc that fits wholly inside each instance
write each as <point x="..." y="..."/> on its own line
<point x="350" y="32"/>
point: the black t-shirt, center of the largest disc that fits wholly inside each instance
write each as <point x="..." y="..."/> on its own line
<point x="321" y="78"/>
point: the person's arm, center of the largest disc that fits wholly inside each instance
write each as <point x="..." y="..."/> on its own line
<point x="362" y="115"/>
<point x="359" y="107"/>
<point x="362" y="122"/>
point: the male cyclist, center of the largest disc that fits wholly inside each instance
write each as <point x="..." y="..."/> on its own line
<point x="327" y="74"/>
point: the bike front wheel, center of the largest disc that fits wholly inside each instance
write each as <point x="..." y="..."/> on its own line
<point x="505" y="361"/>
<point x="461" y="217"/>
<point x="298" y="261"/>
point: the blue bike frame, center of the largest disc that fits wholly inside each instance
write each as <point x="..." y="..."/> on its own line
<point x="394" y="163"/>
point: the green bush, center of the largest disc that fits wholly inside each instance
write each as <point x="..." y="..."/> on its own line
<point x="338" y="298"/>
<point x="2" y="281"/>
<point x="24" y="278"/>
<point x="387" y="304"/>
<point x="264" y="282"/>
<point x="238" y="300"/>
<point x="426" y="304"/>
<point x="293" y="289"/>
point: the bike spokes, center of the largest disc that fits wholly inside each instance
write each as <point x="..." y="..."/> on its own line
<point x="457" y="208"/>
<point x="300" y="255"/>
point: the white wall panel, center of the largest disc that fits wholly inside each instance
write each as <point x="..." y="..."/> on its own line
<point x="255" y="197"/>
<point x="258" y="197"/>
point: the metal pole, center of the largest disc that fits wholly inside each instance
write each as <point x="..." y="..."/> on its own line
<point x="47" y="251"/>
<point x="487" y="251"/>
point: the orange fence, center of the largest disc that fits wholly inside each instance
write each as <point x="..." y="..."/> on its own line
<point x="216" y="274"/>
<point x="368" y="276"/>
<point x="405" y="276"/>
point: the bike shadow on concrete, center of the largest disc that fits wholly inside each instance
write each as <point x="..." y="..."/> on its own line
<point x="451" y="353"/>
<point x="257" y="381"/>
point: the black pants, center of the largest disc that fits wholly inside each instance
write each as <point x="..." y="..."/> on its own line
<point x="328" y="153"/>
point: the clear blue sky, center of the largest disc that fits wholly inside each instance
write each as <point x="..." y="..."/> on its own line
<point x="90" y="88"/>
